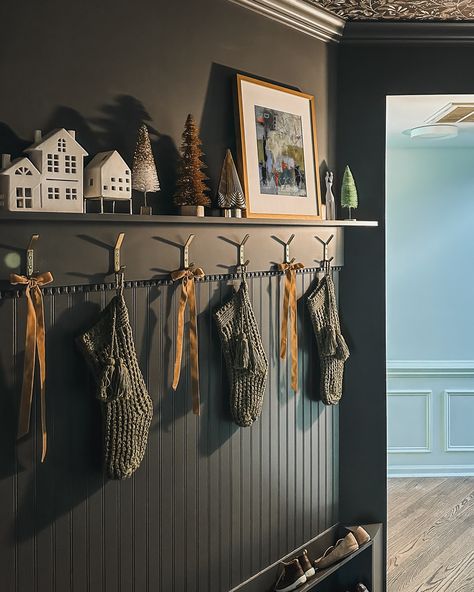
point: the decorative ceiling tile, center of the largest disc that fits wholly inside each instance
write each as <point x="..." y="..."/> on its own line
<point x="405" y="10"/>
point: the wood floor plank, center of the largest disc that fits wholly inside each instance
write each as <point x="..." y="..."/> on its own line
<point x="408" y="493"/>
<point x="432" y="540"/>
<point x="432" y="552"/>
<point x="425" y="508"/>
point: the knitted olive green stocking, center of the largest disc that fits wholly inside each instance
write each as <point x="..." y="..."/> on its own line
<point x="126" y="405"/>
<point x="333" y="351"/>
<point x="244" y="355"/>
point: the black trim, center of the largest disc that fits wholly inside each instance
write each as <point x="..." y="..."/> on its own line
<point x="108" y="286"/>
<point x="408" y="32"/>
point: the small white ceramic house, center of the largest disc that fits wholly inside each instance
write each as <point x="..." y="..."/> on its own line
<point x="60" y="160"/>
<point x="107" y="177"/>
<point x="20" y="185"/>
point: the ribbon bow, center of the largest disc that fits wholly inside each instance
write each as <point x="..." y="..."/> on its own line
<point x="34" y="344"/>
<point x="289" y="308"/>
<point x="188" y="293"/>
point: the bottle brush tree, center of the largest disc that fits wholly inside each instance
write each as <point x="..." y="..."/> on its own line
<point x="230" y="193"/>
<point x="349" y="197"/>
<point x="144" y="175"/>
<point x="191" y="188"/>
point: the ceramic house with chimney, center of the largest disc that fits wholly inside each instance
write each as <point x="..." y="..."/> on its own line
<point x="60" y="160"/>
<point x="108" y="178"/>
<point x="20" y="185"/>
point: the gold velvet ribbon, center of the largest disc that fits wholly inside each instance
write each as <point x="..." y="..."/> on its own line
<point x="188" y="294"/>
<point x="34" y="345"/>
<point x="289" y="309"/>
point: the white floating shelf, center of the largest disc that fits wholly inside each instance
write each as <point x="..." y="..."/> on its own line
<point x="192" y="220"/>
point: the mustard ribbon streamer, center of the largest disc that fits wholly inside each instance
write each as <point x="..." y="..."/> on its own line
<point x="34" y="346"/>
<point x="289" y="309"/>
<point x="188" y="294"/>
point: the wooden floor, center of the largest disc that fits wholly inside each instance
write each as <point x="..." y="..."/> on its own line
<point x="431" y="535"/>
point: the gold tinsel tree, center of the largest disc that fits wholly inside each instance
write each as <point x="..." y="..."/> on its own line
<point x="144" y="175"/>
<point x="191" y="188"/>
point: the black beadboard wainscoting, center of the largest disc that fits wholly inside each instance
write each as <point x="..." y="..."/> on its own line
<point x="212" y="504"/>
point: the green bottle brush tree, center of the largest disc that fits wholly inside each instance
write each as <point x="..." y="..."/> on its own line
<point x="349" y="197"/>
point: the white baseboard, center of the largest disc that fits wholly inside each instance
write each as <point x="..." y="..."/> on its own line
<point x="430" y="471"/>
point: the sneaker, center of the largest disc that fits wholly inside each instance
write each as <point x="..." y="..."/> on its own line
<point x="361" y="588"/>
<point x="306" y="566"/>
<point x="361" y="535"/>
<point x="342" y="549"/>
<point x="291" y="577"/>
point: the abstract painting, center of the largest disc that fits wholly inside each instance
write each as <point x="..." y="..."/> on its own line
<point x="280" y="152"/>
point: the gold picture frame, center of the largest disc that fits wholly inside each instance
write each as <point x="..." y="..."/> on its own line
<point x="265" y="196"/>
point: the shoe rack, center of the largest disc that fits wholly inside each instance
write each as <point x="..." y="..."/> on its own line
<point x="363" y="566"/>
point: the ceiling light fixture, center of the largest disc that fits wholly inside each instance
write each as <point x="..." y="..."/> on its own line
<point x="432" y="132"/>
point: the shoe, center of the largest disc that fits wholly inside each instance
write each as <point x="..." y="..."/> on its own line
<point x="361" y="535"/>
<point x="342" y="549"/>
<point x="306" y="566"/>
<point x="291" y="577"/>
<point x="361" y="587"/>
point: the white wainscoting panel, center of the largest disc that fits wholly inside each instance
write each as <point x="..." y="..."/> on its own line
<point x="430" y="418"/>
<point x="409" y="430"/>
<point x="459" y="420"/>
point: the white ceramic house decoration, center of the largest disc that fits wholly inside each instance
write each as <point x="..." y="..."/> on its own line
<point x="107" y="177"/>
<point x="60" y="160"/>
<point x="20" y="188"/>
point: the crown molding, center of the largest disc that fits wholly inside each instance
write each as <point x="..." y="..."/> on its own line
<point x="409" y="32"/>
<point x="300" y="15"/>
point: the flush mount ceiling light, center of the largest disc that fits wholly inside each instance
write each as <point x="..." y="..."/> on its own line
<point x="432" y="132"/>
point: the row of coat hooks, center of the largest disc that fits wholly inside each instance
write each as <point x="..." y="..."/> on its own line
<point x="242" y="262"/>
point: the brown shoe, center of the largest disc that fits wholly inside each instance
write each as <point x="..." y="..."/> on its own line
<point x="342" y="549"/>
<point x="306" y="566"/>
<point x="361" y="535"/>
<point x="291" y="577"/>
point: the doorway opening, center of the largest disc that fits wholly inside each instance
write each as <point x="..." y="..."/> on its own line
<point x="430" y="345"/>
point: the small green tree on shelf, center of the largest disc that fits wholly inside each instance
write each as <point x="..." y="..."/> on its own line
<point x="349" y="197"/>
<point x="191" y="188"/>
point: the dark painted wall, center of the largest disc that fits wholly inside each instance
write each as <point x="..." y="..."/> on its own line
<point x="212" y="504"/>
<point x="101" y="68"/>
<point x="367" y="73"/>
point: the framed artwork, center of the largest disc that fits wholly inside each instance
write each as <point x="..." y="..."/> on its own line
<point x="278" y="151"/>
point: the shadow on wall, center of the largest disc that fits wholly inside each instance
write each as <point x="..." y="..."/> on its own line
<point x="115" y="129"/>
<point x="9" y="414"/>
<point x="215" y="409"/>
<point x="219" y="123"/>
<point x="72" y="471"/>
<point x="117" y="125"/>
<point x="312" y="371"/>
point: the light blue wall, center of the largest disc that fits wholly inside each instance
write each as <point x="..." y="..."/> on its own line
<point x="430" y="310"/>
<point x="430" y="254"/>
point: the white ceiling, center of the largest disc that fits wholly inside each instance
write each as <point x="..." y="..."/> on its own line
<point x="406" y="112"/>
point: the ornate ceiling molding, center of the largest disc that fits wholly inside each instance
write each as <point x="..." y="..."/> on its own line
<point x="400" y="10"/>
<point x="373" y="21"/>
<point x="301" y="15"/>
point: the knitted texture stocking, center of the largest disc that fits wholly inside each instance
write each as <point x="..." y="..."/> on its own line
<point x="245" y="358"/>
<point x="333" y="351"/>
<point x="127" y="408"/>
